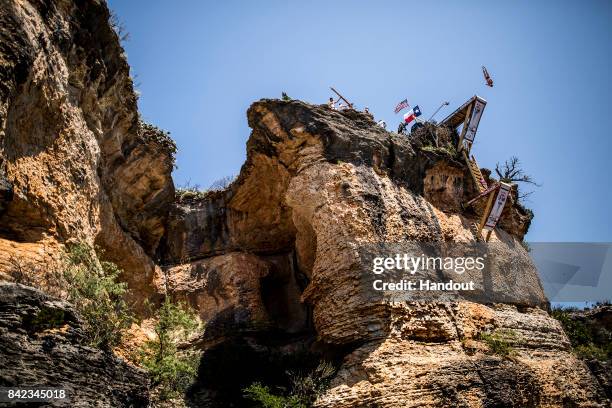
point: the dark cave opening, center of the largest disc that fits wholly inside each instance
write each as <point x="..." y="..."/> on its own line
<point x="281" y="291"/>
<point x="266" y="355"/>
<point x="227" y="369"/>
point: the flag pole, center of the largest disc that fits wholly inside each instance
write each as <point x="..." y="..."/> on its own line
<point x="437" y="110"/>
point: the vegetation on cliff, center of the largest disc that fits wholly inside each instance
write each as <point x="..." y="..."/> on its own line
<point x="91" y="284"/>
<point x="499" y="341"/>
<point x="171" y="370"/>
<point x="189" y="192"/>
<point x="303" y="391"/>
<point x="590" y="339"/>
<point x="152" y="133"/>
<point x="94" y="289"/>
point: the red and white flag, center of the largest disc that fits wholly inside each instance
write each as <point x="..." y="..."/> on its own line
<point x="412" y="114"/>
<point x="409" y="117"/>
<point x="402" y="105"/>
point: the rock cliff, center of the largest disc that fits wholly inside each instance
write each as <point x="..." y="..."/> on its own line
<point x="75" y="164"/>
<point x="317" y="186"/>
<point x="274" y="264"/>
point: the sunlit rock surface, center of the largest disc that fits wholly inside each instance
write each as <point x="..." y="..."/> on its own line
<point x="74" y="164"/>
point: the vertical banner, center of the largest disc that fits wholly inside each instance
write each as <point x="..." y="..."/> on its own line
<point x="479" y="105"/>
<point x="498" y="206"/>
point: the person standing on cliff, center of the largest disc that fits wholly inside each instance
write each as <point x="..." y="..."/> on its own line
<point x="401" y="128"/>
<point x="331" y="105"/>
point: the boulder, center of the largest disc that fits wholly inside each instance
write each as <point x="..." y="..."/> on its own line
<point x="41" y="344"/>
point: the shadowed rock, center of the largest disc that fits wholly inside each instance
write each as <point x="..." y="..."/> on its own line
<point x="41" y="344"/>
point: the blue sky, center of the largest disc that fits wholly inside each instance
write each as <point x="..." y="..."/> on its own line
<point x="200" y="64"/>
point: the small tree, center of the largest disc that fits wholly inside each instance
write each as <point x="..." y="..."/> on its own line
<point x="264" y="397"/>
<point x="98" y="296"/>
<point x="511" y="172"/>
<point x="171" y="369"/>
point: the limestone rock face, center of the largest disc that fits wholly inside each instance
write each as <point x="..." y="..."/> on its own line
<point x="275" y="264"/>
<point x="221" y="282"/>
<point x="74" y="164"/>
<point x="249" y="218"/>
<point x="433" y="358"/>
<point x="41" y="343"/>
<point x="320" y="185"/>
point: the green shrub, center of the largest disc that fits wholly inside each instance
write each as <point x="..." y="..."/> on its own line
<point x="183" y="194"/>
<point x="171" y="369"/>
<point x="308" y="387"/>
<point x="448" y="150"/>
<point x="93" y="288"/>
<point x="579" y="332"/>
<point x="591" y="351"/>
<point x="588" y="340"/>
<point x="195" y="192"/>
<point x="188" y="191"/>
<point x="305" y="389"/>
<point x="264" y="397"/>
<point x="497" y="341"/>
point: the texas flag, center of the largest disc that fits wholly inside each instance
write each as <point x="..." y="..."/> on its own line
<point x="412" y="114"/>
